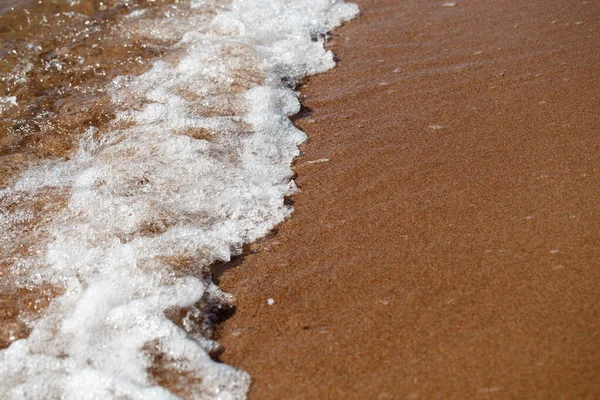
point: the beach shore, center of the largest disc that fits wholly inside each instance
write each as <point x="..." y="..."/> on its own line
<point x="446" y="239"/>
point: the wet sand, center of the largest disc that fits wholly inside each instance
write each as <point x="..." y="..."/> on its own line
<point x="450" y="247"/>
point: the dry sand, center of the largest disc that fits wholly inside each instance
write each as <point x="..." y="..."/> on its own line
<point x="450" y="247"/>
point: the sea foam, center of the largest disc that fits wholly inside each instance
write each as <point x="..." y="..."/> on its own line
<point x="197" y="164"/>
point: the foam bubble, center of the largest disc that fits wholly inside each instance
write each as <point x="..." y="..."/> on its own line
<point x="7" y="102"/>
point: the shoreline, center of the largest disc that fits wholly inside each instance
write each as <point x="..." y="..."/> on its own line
<point x="143" y="142"/>
<point x="445" y="238"/>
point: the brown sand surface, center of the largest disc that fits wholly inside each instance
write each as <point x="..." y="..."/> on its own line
<point x="450" y="247"/>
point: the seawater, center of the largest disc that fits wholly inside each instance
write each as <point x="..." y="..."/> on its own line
<point x="141" y="143"/>
<point x="8" y="5"/>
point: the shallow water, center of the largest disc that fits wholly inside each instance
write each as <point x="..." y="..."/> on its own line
<point x="8" y="5"/>
<point x="140" y="142"/>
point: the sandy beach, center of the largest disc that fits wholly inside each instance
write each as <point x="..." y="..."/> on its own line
<point x="446" y="239"/>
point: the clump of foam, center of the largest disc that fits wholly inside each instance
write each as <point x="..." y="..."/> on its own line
<point x="199" y="167"/>
<point x="7" y="102"/>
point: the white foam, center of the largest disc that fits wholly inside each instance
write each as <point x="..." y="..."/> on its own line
<point x="7" y="102"/>
<point x="143" y="196"/>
